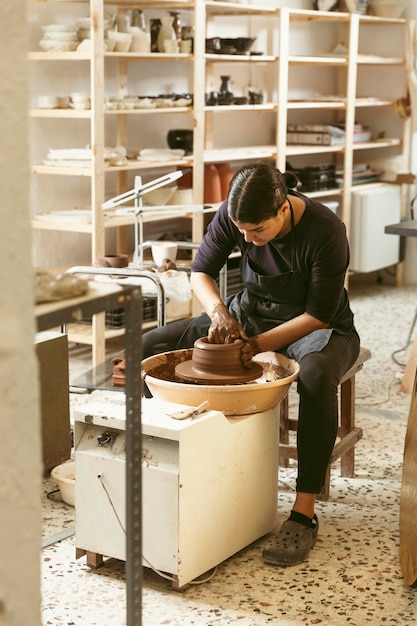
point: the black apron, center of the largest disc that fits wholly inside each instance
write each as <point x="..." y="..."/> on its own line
<point x="282" y="299"/>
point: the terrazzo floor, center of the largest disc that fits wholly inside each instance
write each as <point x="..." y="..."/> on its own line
<point x="353" y="574"/>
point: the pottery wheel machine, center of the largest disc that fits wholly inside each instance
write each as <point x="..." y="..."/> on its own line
<point x="210" y="438"/>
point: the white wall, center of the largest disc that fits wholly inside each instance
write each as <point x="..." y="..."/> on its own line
<point x="20" y="459"/>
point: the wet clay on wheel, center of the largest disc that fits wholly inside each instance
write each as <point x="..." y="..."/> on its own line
<point x="216" y="363"/>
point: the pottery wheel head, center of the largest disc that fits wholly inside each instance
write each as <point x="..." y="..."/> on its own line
<point x="217" y="364"/>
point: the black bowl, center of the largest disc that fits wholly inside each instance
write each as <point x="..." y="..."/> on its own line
<point x="242" y="44"/>
<point x="180" y="138"/>
<point x="213" y="45"/>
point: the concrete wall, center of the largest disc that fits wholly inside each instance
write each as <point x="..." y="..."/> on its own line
<point x="20" y="459"/>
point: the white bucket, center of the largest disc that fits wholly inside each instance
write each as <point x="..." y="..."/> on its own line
<point x="64" y="474"/>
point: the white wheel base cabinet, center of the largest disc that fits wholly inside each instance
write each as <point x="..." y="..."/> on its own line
<point x="209" y="484"/>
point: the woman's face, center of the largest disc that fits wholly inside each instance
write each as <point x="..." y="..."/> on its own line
<point x="263" y="232"/>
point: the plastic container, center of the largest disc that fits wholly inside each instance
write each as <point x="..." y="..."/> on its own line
<point x="64" y="475"/>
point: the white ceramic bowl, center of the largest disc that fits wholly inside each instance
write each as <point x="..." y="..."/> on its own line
<point x="47" y="28"/>
<point x="48" y="102"/>
<point x="79" y="106"/>
<point x="123" y="40"/>
<point x="79" y="96"/>
<point x="182" y="196"/>
<point x="159" y="196"/>
<point x="83" y="34"/>
<point x="388" y="8"/>
<point x="64" y="475"/>
<point x="61" y="35"/>
<point x="49" y="45"/>
<point x="85" y="23"/>
<point x="242" y="399"/>
<point x="353" y="7"/>
<point x="110" y="44"/>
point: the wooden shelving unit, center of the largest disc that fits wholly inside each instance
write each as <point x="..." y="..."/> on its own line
<point x="290" y="49"/>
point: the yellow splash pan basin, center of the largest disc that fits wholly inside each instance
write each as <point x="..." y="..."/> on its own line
<point x="158" y="372"/>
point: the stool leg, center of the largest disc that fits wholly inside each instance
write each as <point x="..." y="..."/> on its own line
<point x="284" y="427"/>
<point x="347" y="424"/>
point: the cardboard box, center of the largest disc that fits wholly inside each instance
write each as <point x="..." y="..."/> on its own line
<point x="52" y="352"/>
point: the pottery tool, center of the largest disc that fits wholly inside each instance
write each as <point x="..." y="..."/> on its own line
<point x="190" y="411"/>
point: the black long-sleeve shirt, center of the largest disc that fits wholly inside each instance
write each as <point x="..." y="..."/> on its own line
<point x="320" y="256"/>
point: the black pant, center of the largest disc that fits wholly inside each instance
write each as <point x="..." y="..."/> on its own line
<point x="317" y="386"/>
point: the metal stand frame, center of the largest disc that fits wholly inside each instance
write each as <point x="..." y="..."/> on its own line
<point x="58" y="313"/>
<point x="133" y="273"/>
<point x="136" y="194"/>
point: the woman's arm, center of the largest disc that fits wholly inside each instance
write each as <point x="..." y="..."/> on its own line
<point x="224" y="328"/>
<point x="206" y="291"/>
<point x="286" y="333"/>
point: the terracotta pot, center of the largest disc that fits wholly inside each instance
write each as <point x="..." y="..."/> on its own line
<point x="186" y="181"/>
<point x="212" y="186"/>
<point x="226" y="176"/>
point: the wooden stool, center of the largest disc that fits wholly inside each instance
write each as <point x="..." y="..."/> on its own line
<point x="347" y="433"/>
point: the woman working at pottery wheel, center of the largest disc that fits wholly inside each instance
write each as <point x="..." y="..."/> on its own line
<point x="294" y="256"/>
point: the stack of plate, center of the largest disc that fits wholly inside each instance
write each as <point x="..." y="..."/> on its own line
<point x="84" y="27"/>
<point x="59" y="38"/>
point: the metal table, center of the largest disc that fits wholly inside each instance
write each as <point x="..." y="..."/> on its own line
<point x="407" y="228"/>
<point x="105" y="297"/>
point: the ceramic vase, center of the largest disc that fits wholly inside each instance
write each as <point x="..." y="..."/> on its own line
<point x="166" y="32"/>
<point x="138" y="19"/>
<point x="141" y="40"/>
<point x="154" y="27"/>
<point x="176" y="23"/>
<point x="225" y="91"/>
<point x="212" y="185"/>
<point x="226" y="175"/>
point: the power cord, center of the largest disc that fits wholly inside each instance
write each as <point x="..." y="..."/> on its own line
<point x="156" y="570"/>
<point x="51" y="495"/>
<point x="388" y="386"/>
<point x="408" y="342"/>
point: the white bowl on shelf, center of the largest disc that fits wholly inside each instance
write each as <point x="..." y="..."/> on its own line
<point x="85" y="23"/>
<point x="123" y="40"/>
<point x="50" y="45"/>
<point x="61" y="35"/>
<point x="110" y="44"/>
<point x="388" y="8"/>
<point x="56" y="28"/>
<point x="47" y="102"/>
<point x="84" y="33"/>
<point x="159" y="197"/>
<point x="356" y="6"/>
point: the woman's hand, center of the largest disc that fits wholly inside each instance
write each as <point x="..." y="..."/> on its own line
<point x="248" y="351"/>
<point x="224" y="328"/>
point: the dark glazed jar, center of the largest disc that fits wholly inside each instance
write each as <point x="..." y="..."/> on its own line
<point x="225" y="91"/>
<point x="155" y="27"/>
<point x="180" y="138"/>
